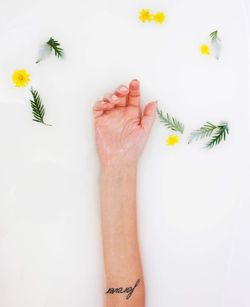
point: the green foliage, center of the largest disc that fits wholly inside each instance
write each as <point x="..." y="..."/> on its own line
<point x="215" y="44"/>
<point x="216" y="133"/>
<point x="205" y="131"/>
<point x="220" y="134"/>
<point x="170" y="122"/>
<point x="55" y="46"/>
<point x="38" y="109"/>
<point x="214" y="35"/>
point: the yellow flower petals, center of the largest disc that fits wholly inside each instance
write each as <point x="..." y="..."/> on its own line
<point x="205" y="49"/>
<point x="20" y="78"/>
<point x="159" y="17"/>
<point x="172" y="140"/>
<point x="145" y="15"/>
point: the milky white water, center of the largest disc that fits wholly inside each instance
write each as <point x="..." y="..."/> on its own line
<point x="193" y="204"/>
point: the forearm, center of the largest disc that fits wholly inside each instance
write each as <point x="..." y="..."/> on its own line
<point x="120" y="244"/>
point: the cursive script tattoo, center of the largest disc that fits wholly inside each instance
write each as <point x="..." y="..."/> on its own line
<point x="128" y="290"/>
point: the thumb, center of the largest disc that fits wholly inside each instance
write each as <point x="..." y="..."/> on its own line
<point x="149" y="116"/>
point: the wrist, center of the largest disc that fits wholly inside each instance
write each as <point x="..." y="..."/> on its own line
<point x="118" y="172"/>
<point x="118" y="165"/>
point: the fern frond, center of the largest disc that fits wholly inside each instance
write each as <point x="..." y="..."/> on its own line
<point x="215" y="44"/>
<point x="214" y="35"/>
<point x="170" y="122"/>
<point x="38" y="109"/>
<point x="205" y="131"/>
<point x="220" y="134"/>
<point x="55" y="46"/>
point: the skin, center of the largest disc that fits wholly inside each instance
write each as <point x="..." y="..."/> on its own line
<point x="121" y="130"/>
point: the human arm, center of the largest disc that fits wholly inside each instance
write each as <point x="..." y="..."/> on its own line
<point x="122" y="130"/>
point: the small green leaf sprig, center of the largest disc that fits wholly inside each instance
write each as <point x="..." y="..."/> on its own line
<point x="216" y="133"/>
<point x="170" y="122"/>
<point x="205" y="131"/>
<point x="55" y="46"/>
<point x="215" y="44"/>
<point x="38" y="109"/>
<point x="50" y="46"/>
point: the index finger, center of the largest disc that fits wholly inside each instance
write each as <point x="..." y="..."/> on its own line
<point x="134" y="93"/>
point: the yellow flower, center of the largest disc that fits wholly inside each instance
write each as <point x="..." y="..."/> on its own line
<point x="205" y="50"/>
<point x="21" y="77"/>
<point x="159" y="17"/>
<point x="172" y="140"/>
<point x="145" y="15"/>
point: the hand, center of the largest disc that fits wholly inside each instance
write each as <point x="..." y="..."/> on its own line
<point x="121" y="128"/>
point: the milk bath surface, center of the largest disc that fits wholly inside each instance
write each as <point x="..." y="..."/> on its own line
<point x="193" y="204"/>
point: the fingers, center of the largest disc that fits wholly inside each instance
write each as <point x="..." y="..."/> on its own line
<point x="111" y="98"/>
<point x="123" y="96"/>
<point x="122" y="92"/>
<point x="101" y="106"/>
<point x="149" y="116"/>
<point x="134" y="93"/>
<point x="108" y="102"/>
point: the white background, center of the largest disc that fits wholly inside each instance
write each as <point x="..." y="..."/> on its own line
<point x="193" y="204"/>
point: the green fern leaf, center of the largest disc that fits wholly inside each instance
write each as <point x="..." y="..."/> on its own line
<point x="216" y="133"/>
<point x="205" y="131"/>
<point x="214" y="35"/>
<point x="215" y="44"/>
<point x="170" y="122"/>
<point x="220" y="134"/>
<point x="55" y="46"/>
<point x="38" y="109"/>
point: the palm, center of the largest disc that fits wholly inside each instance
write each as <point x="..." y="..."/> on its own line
<point x="120" y="133"/>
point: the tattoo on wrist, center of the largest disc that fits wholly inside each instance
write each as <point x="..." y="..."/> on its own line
<point x="128" y="290"/>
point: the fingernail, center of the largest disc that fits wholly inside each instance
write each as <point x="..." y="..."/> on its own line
<point x="123" y="88"/>
<point x="134" y="84"/>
